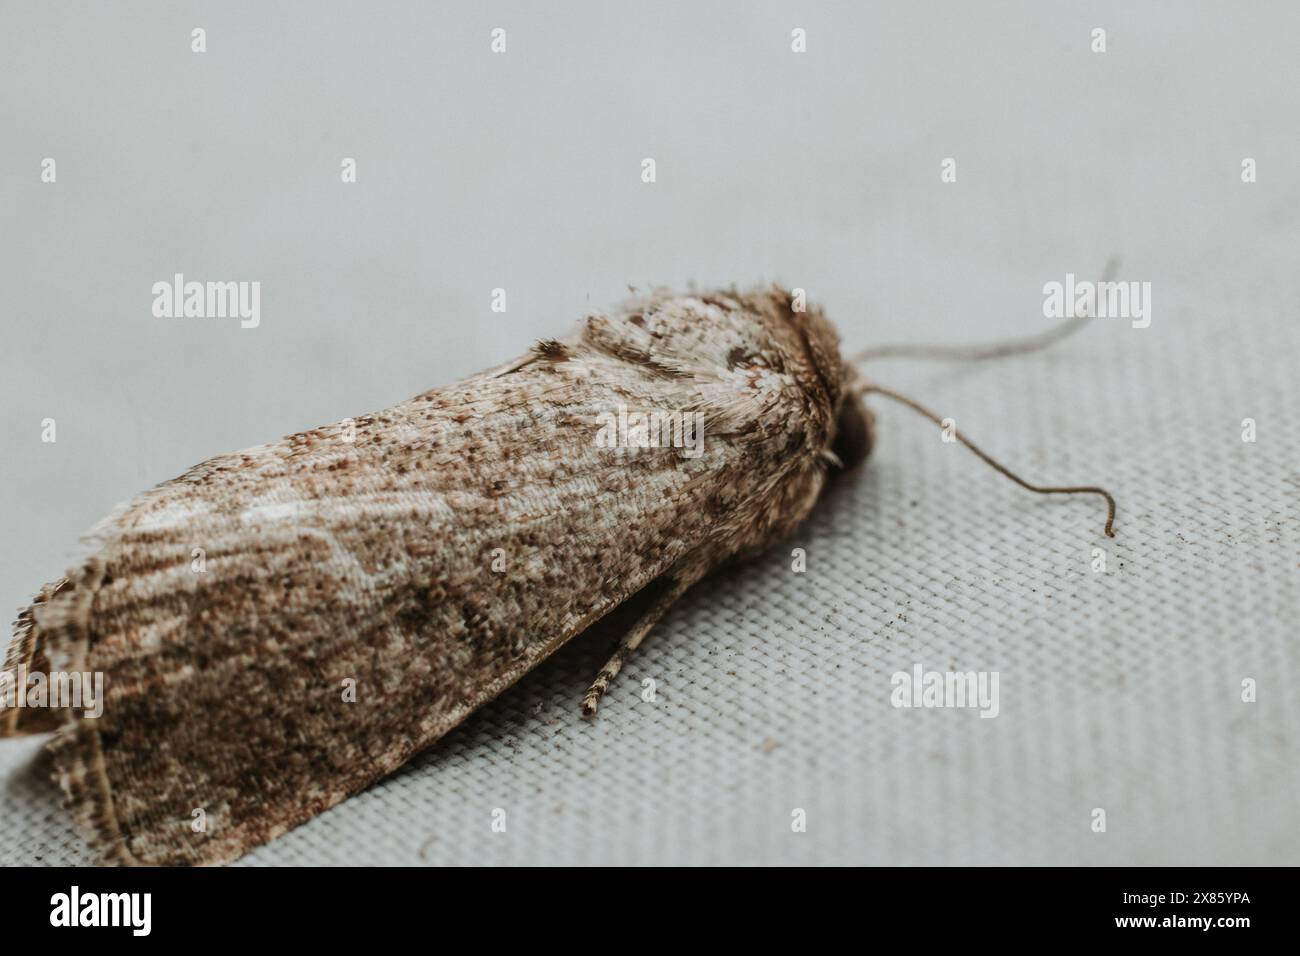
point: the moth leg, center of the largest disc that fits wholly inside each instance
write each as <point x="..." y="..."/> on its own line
<point x="675" y="587"/>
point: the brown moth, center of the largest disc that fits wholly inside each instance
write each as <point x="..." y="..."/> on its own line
<point x="280" y="627"/>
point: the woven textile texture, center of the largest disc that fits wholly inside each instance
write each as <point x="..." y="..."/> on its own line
<point x="1119" y="690"/>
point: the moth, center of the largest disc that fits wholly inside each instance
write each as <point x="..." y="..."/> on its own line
<point x="280" y="627"/>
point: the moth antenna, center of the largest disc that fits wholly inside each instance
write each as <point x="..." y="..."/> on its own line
<point x="863" y="388"/>
<point x="989" y="350"/>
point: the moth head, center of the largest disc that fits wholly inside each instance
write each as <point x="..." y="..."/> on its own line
<point x="854" y="433"/>
<point x="851" y="426"/>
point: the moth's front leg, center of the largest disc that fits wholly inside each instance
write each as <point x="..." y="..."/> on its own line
<point x="673" y="584"/>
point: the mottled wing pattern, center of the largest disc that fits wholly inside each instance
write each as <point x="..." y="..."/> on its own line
<point x="282" y="626"/>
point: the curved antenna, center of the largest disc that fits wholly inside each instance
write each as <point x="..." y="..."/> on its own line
<point x="989" y="350"/>
<point x="863" y="388"/>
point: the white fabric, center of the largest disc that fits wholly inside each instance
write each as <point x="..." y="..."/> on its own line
<point x="1119" y="691"/>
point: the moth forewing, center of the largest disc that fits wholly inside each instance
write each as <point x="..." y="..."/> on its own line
<point x="365" y="586"/>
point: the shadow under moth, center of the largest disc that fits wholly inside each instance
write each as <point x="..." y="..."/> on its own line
<point x="280" y="627"/>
